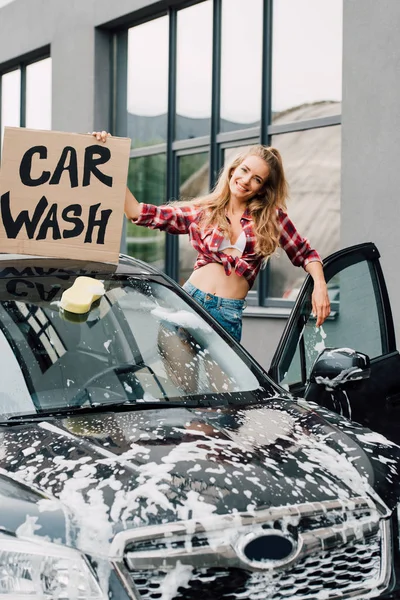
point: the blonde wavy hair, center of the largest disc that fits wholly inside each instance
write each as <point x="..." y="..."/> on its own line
<point x="263" y="207"/>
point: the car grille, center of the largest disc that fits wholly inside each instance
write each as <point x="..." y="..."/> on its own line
<point x="342" y="554"/>
<point x="339" y="571"/>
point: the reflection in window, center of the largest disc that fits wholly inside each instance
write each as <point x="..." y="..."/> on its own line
<point x="311" y="160"/>
<point x="193" y="182"/>
<point x="241" y="58"/>
<point x="39" y="333"/>
<point x="354" y="302"/>
<point x="146" y="179"/>
<point x="38" y="94"/>
<point x="194" y="70"/>
<point x="10" y="100"/>
<point x="306" y="55"/>
<point x="147" y="100"/>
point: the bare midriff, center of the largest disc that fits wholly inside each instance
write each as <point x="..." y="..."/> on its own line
<point x="211" y="279"/>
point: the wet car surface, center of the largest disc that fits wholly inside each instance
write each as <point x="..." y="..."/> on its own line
<point x="144" y="454"/>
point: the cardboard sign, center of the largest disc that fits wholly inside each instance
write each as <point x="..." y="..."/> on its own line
<point x="62" y="194"/>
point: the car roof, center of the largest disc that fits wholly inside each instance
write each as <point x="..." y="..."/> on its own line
<point x="14" y="265"/>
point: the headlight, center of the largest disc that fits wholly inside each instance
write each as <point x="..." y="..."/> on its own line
<point x="40" y="570"/>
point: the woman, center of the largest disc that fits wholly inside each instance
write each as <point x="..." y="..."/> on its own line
<point x="235" y="229"/>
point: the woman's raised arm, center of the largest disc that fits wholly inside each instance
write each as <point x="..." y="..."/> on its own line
<point x="132" y="207"/>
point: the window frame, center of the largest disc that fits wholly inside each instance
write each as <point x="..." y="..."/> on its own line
<point x="334" y="264"/>
<point x="215" y="142"/>
<point x="21" y="63"/>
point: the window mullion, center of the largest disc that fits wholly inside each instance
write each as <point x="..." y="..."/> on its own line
<point x="216" y="92"/>
<point x="171" y="243"/>
<point x="1" y="105"/>
<point x="22" y="108"/>
<point x="264" y="276"/>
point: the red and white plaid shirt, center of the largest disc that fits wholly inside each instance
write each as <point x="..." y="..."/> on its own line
<point x="185" y="219"/>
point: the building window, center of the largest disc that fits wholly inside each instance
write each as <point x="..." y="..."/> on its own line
<point x="241" y="64"/>
<point x="26" y="96"/>
<point x="277" y="82"/>
<point x="194" y="71"/>
<point x="10" y="100"/>
<point x="146" y="177"/>
<point x="312" y="168"/>
<point x="38" y="95"/>
<point x="307" y="72"/>
<point x="194" y="178"/>
<point x="147" y="101"/>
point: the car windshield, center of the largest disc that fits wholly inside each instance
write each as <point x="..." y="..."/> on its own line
<point x="141" y="342"/>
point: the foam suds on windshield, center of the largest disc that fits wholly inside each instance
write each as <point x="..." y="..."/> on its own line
<point x="181" y="318"/>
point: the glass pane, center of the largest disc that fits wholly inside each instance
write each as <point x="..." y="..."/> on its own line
<point x="147" y="100"/>
<point x="241" y="64"/>
<point x="146" y="179"/>
<point x="10" y="100"/>
<point x="194" y="70"/>
<point x="311" y="161"/>
<point x="354" y="303"/>
<point x="307" y="71"/>
<point x="38" y="94"/>
<point x="141" y="343"/>
<point x="193" y="182"/>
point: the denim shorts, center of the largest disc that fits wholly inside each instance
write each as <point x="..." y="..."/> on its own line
<point x="227" y="311"/>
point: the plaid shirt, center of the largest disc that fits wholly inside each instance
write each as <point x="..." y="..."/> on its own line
<point x="185" y="219"/>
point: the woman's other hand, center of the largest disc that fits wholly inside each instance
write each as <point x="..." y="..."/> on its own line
<point x="321" y="306"/>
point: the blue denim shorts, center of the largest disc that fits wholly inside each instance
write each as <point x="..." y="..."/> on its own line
<point x="227" y="311"/>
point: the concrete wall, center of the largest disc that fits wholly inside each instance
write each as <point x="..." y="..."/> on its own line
<point x="261" y="335"/>
<point x="371" y="133"/>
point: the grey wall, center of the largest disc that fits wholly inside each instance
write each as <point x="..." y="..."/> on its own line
<point x="371" y="133"/>
<point x="260" y="337"/>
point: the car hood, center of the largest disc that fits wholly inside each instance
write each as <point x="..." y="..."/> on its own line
<point x="85" y="478"/>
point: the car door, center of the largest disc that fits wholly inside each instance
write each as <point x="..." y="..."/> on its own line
<point x="360" y="319"/>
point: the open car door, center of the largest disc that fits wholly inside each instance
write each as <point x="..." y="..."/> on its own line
<point x="360" y="320"/>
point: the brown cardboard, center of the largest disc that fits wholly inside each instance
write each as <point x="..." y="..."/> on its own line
<point x="60" y="183"/>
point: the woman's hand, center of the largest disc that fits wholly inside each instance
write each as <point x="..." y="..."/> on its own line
<point x="321" y="306"/>
<point x="101" y="136"/>
<point x="132" y="208"/>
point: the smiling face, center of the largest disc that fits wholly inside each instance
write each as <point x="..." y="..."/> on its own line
<point x="248" y="179"/>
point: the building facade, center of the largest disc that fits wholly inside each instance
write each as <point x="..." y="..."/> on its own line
<point x="191" y="83"/>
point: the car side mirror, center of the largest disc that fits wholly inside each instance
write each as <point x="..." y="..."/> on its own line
<point x="335" y="367"/>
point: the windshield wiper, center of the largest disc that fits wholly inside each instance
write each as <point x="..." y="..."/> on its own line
<point x="111" y="407"/>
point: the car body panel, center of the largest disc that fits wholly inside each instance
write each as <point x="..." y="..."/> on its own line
<point x="118" y="471"/>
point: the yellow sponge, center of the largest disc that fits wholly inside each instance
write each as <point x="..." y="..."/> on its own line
<point x="81" y="295"/>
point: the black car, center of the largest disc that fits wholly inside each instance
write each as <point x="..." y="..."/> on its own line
<point x="145" y="455"/>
